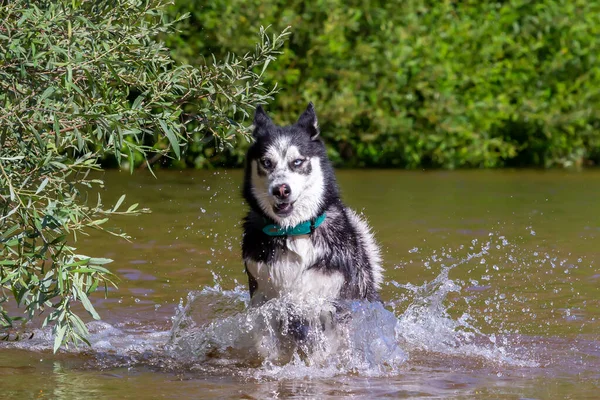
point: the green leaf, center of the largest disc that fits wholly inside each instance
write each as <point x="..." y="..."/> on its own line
<point x="99" y="221"/>
<point x="79" y="325"/>
<point x="59" y="336"/>
<point x="42" y="186"/>
<point x="266" y="64"/>
<point x="99" y="261"/>
<point x="137" y="102"/>
<point x="47" y="93"/>
<point x="172" y="138"/>
<point x="87" y="304"/>
<point x="119" y="202"/>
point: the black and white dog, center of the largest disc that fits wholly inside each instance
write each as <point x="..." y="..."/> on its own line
<point x="300" y="241"/>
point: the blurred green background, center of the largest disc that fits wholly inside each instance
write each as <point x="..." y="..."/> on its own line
<point x="419" y="84"/>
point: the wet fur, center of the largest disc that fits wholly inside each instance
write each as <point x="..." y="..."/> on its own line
<point x="340" y="259"/>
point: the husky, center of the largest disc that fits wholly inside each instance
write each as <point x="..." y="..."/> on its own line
<point x="300" y="241"/>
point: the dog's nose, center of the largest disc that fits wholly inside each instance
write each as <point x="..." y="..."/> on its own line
<point x="282" y="191"/>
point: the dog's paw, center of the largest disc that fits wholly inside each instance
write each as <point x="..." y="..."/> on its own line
<point x="298" y="328"/>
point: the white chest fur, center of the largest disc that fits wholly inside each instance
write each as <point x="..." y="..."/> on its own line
<point x="289" y="274"/>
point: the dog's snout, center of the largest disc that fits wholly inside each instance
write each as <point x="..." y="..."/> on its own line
<point x="282" y="191"/>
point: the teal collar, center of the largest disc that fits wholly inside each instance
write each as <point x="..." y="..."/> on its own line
<point x="303" y="228"/>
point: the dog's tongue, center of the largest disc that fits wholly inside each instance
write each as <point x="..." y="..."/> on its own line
<point x="283" y="206"/>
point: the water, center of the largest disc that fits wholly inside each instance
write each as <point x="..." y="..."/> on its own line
<point x="492" y="291"/>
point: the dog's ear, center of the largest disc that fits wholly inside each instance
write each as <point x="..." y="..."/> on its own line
<point x="308" y="120"/>
<point x="261" y="122"/>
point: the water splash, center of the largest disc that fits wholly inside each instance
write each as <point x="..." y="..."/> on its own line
<point x="465" y="312"/>
<point x="336" y="339"/>
<point x="366" y="338"/>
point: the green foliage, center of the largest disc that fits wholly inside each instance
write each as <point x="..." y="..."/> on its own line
<point x="427" y="84"/>
<point x="80" y="80"/>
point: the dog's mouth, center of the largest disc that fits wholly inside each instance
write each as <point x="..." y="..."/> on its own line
<point x="283" y="209"/>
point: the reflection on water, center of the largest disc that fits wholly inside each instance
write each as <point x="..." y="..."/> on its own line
<point x="491" y="291"/>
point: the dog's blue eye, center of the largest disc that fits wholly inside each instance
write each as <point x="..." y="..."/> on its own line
<point x="298" y="162"/>
<point x="266" y="163"/>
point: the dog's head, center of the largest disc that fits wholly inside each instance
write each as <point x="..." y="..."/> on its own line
<point x="288" y="177"/>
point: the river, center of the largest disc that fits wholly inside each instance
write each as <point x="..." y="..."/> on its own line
<point x="492" y="291"/>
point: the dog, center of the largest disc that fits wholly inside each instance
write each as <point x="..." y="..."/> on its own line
<point x="299" y="240"/>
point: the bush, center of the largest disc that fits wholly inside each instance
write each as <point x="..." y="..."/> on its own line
<point x="426" y="84"/>
<point x="79" y="80"/>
